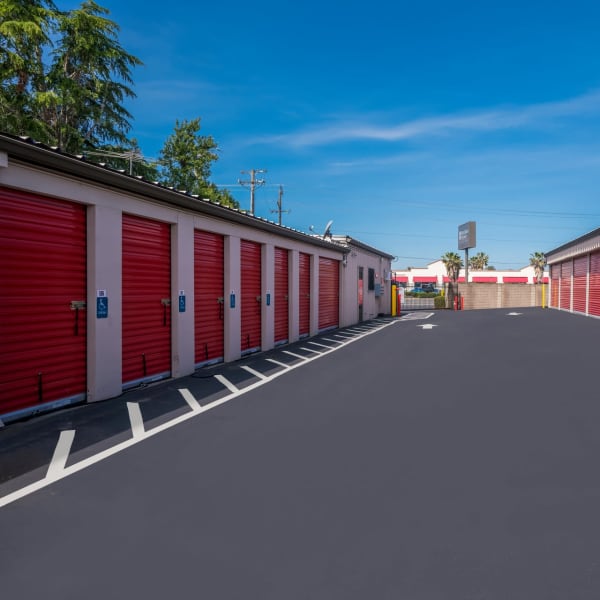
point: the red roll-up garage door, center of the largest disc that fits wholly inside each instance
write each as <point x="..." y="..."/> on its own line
<point x="281" y="295"/>
<point x="594" y="308"/>
<point x="208" y="296"/>
<point x="580" y="283"/>
<point x="250" y="263"/>
<point x="146" y="300"/>
<point x="329" y="293"/>
<point x="555" y="283"/>
<point x="304" y="289"/>
<point x="565" y="284"/>
<point x="42" y="316"/>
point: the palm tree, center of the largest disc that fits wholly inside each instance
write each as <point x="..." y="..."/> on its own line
<point x="479" y="262"/>
<point x="538" y="261"/>
<point x="453" y="263"/>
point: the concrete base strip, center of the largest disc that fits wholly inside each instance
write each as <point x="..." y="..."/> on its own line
<point x="135" y="417"/>
<point x="189" y="398"/>
<point x="254" y="372"/>
<point x="61" y="454"/>
<point x="224" y="381"/>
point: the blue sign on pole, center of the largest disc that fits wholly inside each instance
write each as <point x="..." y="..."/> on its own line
<point x="181" y="303"/>
<point x="102" y="307"/>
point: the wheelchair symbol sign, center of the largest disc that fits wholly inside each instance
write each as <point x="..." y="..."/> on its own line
<point x="101" y="308"/>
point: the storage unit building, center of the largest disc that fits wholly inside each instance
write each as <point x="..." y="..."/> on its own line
<point x="575" y="275"/>
<point x="108" y="281"/>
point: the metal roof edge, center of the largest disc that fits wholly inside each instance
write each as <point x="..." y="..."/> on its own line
<point x="354" y="242"/>
<point x="30" y="152"/>
<point x="576" y="246"/>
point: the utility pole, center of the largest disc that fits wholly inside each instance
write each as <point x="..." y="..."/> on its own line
<point x="253" y="183"/>
<point x="279" y="209"/>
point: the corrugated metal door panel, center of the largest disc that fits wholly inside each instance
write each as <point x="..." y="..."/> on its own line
<point x="146" y="300"/>
<point x="250" y="264"/>
<point x="329" y="292"/>
<point x="281" y="295"/>
<point x="565" y="284"/>
<point x="555" y="278"/>
<point x="304" y="290"/>
<point x="580" y="283"/>
<point x="594" y="304"/>
<point x="208" y="296"/>
<point x="42" y="271"/>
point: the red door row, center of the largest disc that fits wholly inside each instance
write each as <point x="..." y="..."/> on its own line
<point x="304" y="292"/>
<point x="209" y="297"/>
<point x="43" y="278"/>
<point x="329" y="293"/>
<point x="585" y="292"/>
<point x="251" y="300"/>
<point x="42" y="301"/>
<point x="281" y="298"/>
<point x="146" y="300"/>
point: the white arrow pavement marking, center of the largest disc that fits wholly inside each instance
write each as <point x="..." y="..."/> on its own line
<point x="427" y="326"/>
<point x="514" y="314"/>
<point x="61" y="454"/>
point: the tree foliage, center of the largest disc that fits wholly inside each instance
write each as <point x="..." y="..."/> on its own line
<point x="75" y="100"/>
<point x="453" y="263"/>
<point x="65" y="81"/>
<point x="538" y="261"/>
<point x="186" y="161"/>
<point x="479" y="261"/>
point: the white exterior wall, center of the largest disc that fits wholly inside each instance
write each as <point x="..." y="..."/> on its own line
<point x="372" y="305"/>
<point x="105" y="209"/>
<point x="438" y="270"/>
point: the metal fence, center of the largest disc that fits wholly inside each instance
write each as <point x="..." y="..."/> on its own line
<point x="409" y="304"/>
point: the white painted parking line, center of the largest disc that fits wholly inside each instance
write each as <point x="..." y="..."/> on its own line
<point x="227" y="383"/>
<point x="61" y="454"/>
<point x="320" y="345"/>
<point x="344" y="336"/>
<point x="254" y="372"/>
<point x="311" y="350"/>
<point x="276" y="362"/>
<point x="100" y="456"/>
<point x="136" y="420"/>
<point x="189" y="398"/>
<point x="295" y="355"/>
<point x="332" y="341"/>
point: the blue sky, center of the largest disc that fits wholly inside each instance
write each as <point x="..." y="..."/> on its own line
<point x="398" y="120"/>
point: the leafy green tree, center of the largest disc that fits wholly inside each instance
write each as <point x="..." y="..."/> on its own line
<point x="479" y="262"/>
<point x="25" y="30"/>
<point x="538" y="261"/>
<point x="76" y="100"/>
<point x="186" y="161"/>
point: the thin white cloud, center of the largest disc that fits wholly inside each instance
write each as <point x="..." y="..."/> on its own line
<point x="348" y="130"/>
